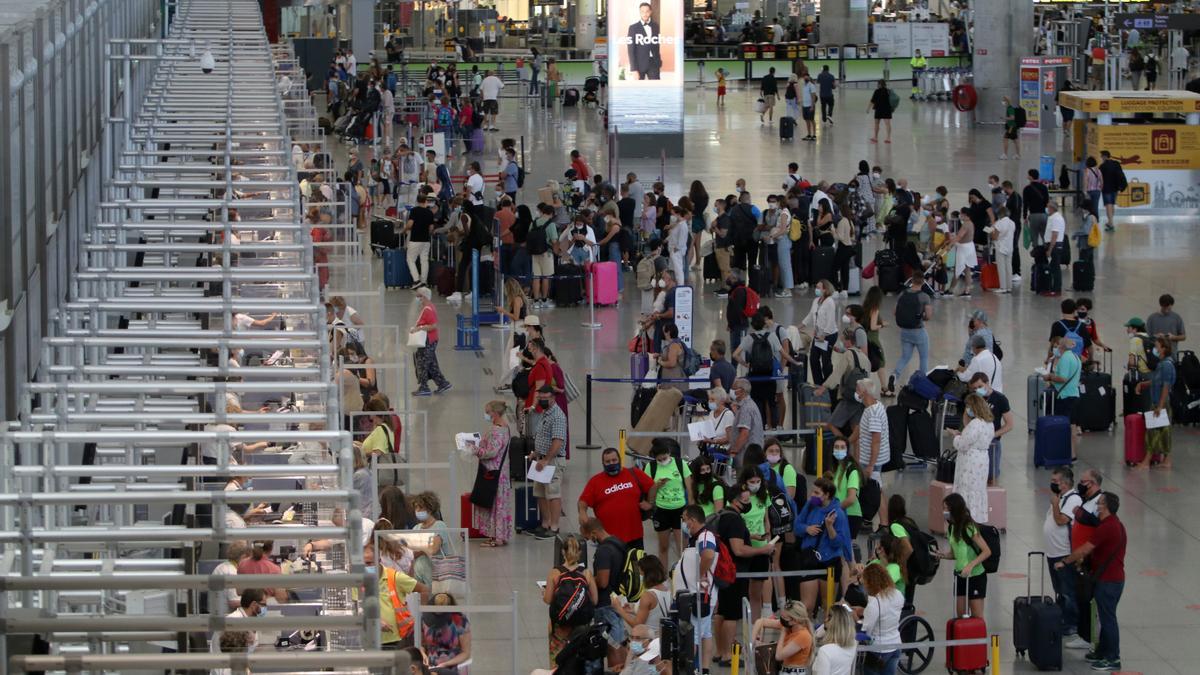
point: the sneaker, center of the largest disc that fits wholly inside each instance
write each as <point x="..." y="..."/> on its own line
<point x="1107" y="666"/>
<point x="548" y="303"/>
<point x="444" y="388"/>
<point x="1016" y="278"/>
<point x="803" y="286"/>
<point x="722" y="293"/>
<point x="783" y="294"/>
<point x="965" y="296"/>
<point x="502" y="389"/>
<point x="1076" y="642"/>
<point x="544" y="533"/>
<point x="422" y="392"/>
<point x="1109" y="228"/>
<point x="891" y="383"/>
<point x="1003" y="156"/>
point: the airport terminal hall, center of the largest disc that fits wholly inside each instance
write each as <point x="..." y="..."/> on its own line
<point x="599" y="337"/>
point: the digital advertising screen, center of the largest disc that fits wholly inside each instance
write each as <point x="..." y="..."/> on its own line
<point x="645" y="66"/>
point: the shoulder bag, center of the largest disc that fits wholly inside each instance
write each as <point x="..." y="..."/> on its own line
<point x="487" y="482"/>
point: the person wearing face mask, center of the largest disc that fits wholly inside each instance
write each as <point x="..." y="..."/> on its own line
<point x="740" y="298"/>
<point x="496" y="522"/>
<point x="850" y="364"/>
<point x="427" y="507"/>
<point x="848" y="480"/>
<point x="754" y="514"/>
<point x="1162" y="380"/>
<point x="823" y="539"/>
<point x="1002" y="420"/>
<point x="747" y="421"/>
<point x="821" y="325"/>
<point x="871" y="437"/>
<point x="781" y="241"/>
<point x="677" y="240"/>
<point x="759" y="353"/>
<point x="977" y="324"/>
<point x="253" y="603"/>
<point x="1083" y="312"/>
<point x="396" y="620"/>
<point x="1063" y="373"/>
<point x="722" y="418"/>
<point x="664" y="308"/>
<point x="549" y="426"/>
<point x="968" y="550"/>
<point x="619" y="498"/>
<point x="972" y="443"/>
<point x="445" y="636"/>
<point x="709" y="489"/>
<point x="1056" y="534"/>
<point x="794" y="650"/>
<point x="645" y="651"/>
<point x="670" y="492"/>
<point x="981" y="361"/>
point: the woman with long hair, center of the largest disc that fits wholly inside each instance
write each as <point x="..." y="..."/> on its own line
<point x="840" y="645"/>
<point x="754" y="514"/>
<point x="495" y="523"/>
<point x="968" y="550"/>
<point x="394" y="510"/>
<point x="700" y="201"/>
<point x="445" y="636"/>
<point x="971" y="467"/>
<point x="710" y="491"/>
<point x="823" y="538"/>
<point x="794" y="650"/>
<point x="848" y="479"/>
<point x="573" y="563"/>
<point x="873" y="322"/>
<point x="1162" y="380"/>
<point x="655" y="603"/>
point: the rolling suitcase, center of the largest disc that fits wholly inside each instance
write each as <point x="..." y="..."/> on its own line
<point x="898" y="428"/>
<point x="816" y="408"/>
<point x="602" y="283"/>
<point x="890" y="280"/>
<point x="966" y="658"/>
<point x="465" y="509"/>
<point x="395" y="269"/>
<point x="642" y="396"/>
<point x="712" y="271"/>
<point x="1083" y="275"/>
<point x="937" y="492"/>
<point x="1052" y="441"/>
<point x="787" y="128"/>
<point x="760" y="275"/>
<point x="527" y="517"/>
<point x="639" y="365"/>
<point x="1040" y="278"/>
<point x="570" y="97"/>
<point x="810" y="453"/>
<point x="656" y="418"/>
<point x="1037" y="622"/>
<point x="922" y="435"/>
<point x="477" y="142"/>
<point x="383" y="235"/>
<point x="568" y="289"/>
<point x="1131" y="401"/>
<point x="855" y="283"/>
<point x="1097" y="406"/>
<point x="822" y="263"/>
<point x="997" y="507"/>
<point x="518" y="449"/>
<point x="1135" y="438"/>
<point x="1034" y="386"/>
<point x="989" y="276"/>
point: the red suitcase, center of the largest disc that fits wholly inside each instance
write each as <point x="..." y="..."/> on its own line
<point x="464" y="509"/>
<point x="603" y="281"/>
<point x="966" y="658"/>
<point x="1135" y="439"/>
<point x="989" y="276"/>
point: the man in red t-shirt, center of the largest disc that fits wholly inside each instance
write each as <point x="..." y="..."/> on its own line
<point x="582" y="170"/>
<point x="541" y="373"/>
<point x="618" y="497"/>
<point x="1105" y="552"/>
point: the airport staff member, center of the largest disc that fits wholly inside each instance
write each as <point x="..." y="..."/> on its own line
<point x="918" y="64"/>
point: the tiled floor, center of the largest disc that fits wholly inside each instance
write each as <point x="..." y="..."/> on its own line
<point x="932" y="145"/>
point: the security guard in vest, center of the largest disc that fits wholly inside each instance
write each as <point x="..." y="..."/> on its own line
<point x="918" y="66"/>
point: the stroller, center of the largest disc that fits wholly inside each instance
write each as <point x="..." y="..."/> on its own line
<point x="591" y="91"/>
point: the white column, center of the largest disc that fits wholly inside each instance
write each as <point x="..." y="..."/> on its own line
<point x="585" y="24"/>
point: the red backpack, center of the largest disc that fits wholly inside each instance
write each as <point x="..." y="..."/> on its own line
<point x="752" y="301"/>
<point x="725" y="572"/>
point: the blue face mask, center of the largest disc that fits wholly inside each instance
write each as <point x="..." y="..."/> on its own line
<point x="982" y="391"/>
<point x="1156" y="354"/>
<point x="637" y="648"/>
<point x="839" y="455"/>
<point x="1056" y="351"/>
<point x="970" y="413"/>
<point x="612" y="469"/>
<point x="371" y="569"/>
<point x="262" y="610"/>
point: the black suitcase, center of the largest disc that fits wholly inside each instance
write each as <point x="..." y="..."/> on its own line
<point x="822" y="263"/>
<point x="760" y="280"/>
<point x="1133" y="402"/>
<point x="1083" y="275"/>
<point x="383" y="235"/>
<point x="787" y="128"/>
<point x="1097" y="407"/>
<point x="568" y="285"/>
<point x="810" y="453"/>
<point x="570" y="97"/>
<point x="922" y="436"/>
<point x="642" y="396"/>
<point x="1037" y="622"/>
<point x="1041" y="281"/>
<point x="712" y="271"/>
<point x="890" y="278"/>
<point x="518" y="448"/>
<point x="898" y="428"/>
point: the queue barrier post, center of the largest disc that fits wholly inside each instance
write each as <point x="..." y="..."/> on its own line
<point x="820" y="452"/>
<point x="622" y="447"/>
<point x="829" y="590"/>
<point x="995" y="655"/>
<point x="588" y="445"/>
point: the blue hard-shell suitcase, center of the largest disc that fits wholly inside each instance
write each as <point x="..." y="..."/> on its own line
<point x="395" y="269"/>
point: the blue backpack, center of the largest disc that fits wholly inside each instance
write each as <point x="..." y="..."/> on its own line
<point x="1073" y="335"/>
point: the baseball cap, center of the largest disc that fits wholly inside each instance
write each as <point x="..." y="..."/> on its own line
<point x="1135" y="322"/>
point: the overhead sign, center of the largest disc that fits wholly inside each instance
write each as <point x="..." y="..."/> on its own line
<point x="1147" y="146"/>
<point x="1148" y="21"/>
<point x="1130" y="102"/>
<point x="645" y="66"/>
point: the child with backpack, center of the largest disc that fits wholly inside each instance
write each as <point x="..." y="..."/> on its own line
<point x="968" y="550"/>
<point x="672" y="490"/>
<point x="754" y="513"/>
<point x="571" y="595"/>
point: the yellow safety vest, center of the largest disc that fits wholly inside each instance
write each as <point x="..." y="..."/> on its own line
<point x="917" y="62"/>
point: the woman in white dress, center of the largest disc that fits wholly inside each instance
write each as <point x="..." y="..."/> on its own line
<point x="971" y="467"/>
<point x="965" y="259"/>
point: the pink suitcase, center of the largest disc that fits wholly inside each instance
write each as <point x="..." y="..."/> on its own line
<point x="997" y="507"/>
<point x="1135" y="439"/>
<point x="603" y="280"/>
<point x="938" y="492"/>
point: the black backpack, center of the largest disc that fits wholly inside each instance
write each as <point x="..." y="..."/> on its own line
<point x="908" y="309"/>
<point x="571" y="605"/>
<point x="923" y="563"/>
<point x="781" y="511"/>
<point x="536" y="242"/>
<point x="996" y="350"/>
<point x="851" y="377"/>
<point x="991" y="536"/>
<point x="762" y="359"/>
<point x="1019" y="118"/>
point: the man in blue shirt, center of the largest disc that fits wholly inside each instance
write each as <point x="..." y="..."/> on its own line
<point x="511" y="171"/>
<point x="826" y="82"/>
<point x="1063" y="374"/>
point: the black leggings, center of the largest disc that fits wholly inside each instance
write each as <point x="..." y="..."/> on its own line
<point x="841" y="266"/>
<point x="822" y="364"/>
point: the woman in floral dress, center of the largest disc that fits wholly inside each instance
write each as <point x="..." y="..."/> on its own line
<point x="971" y="465"/>
<point x="495" y="523"/>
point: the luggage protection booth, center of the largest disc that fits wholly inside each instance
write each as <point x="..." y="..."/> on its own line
<point x="1155" y="135"/>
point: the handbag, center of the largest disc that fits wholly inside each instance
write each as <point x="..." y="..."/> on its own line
<point x="764" y="659"/>
<point x="417" y="340"/>
<point x="945" y="466"/>
<point x="1087" y="582"/>
<point x="487" y="483"/>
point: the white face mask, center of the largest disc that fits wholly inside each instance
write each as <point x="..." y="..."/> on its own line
<point x="664" y="463"/>
<point x="422" y="516"/>
<point x="774" y="459"/>
<point x="846" y="319"/>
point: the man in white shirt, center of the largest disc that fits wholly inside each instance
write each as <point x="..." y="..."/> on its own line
<point x="1002" y="239"/>
<point x="1179" y="65"/>
<point x="238" y="551"/>
<point x="808" y="109"/>
<point x="1056" y="233"/>
<point x="871" y="437"/>
<point x="982" y="361"/>
<point x="578" y="241"/>
<point x="706" y="545"/>
<point x="1056" y="531"/>
<point x="489" y="91"/>
<point x="352" y="65"/>
<point x="253" y="603"/>
<point x="474" y="185"/>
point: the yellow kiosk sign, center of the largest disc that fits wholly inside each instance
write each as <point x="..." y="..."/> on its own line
<point x="1147" y="146"/>
<point x="1128" y="102"/>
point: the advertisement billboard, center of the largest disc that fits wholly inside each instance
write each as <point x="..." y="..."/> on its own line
<point x="645" y="66"/>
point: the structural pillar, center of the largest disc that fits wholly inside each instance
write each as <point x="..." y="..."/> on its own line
<point x="362" y="29"/>
<point x="996" y="54"/>
<point x="844" y="22"/>
<point x="585" y="25"/>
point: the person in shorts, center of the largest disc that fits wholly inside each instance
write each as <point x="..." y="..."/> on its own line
<point x="671" y="491"/>
<point x="549" y="426"/>
<point x="708" y="550"/>
<point x="732" y="531"/>
<point x="768" y="91"/>
<point x="608" y="561"/>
